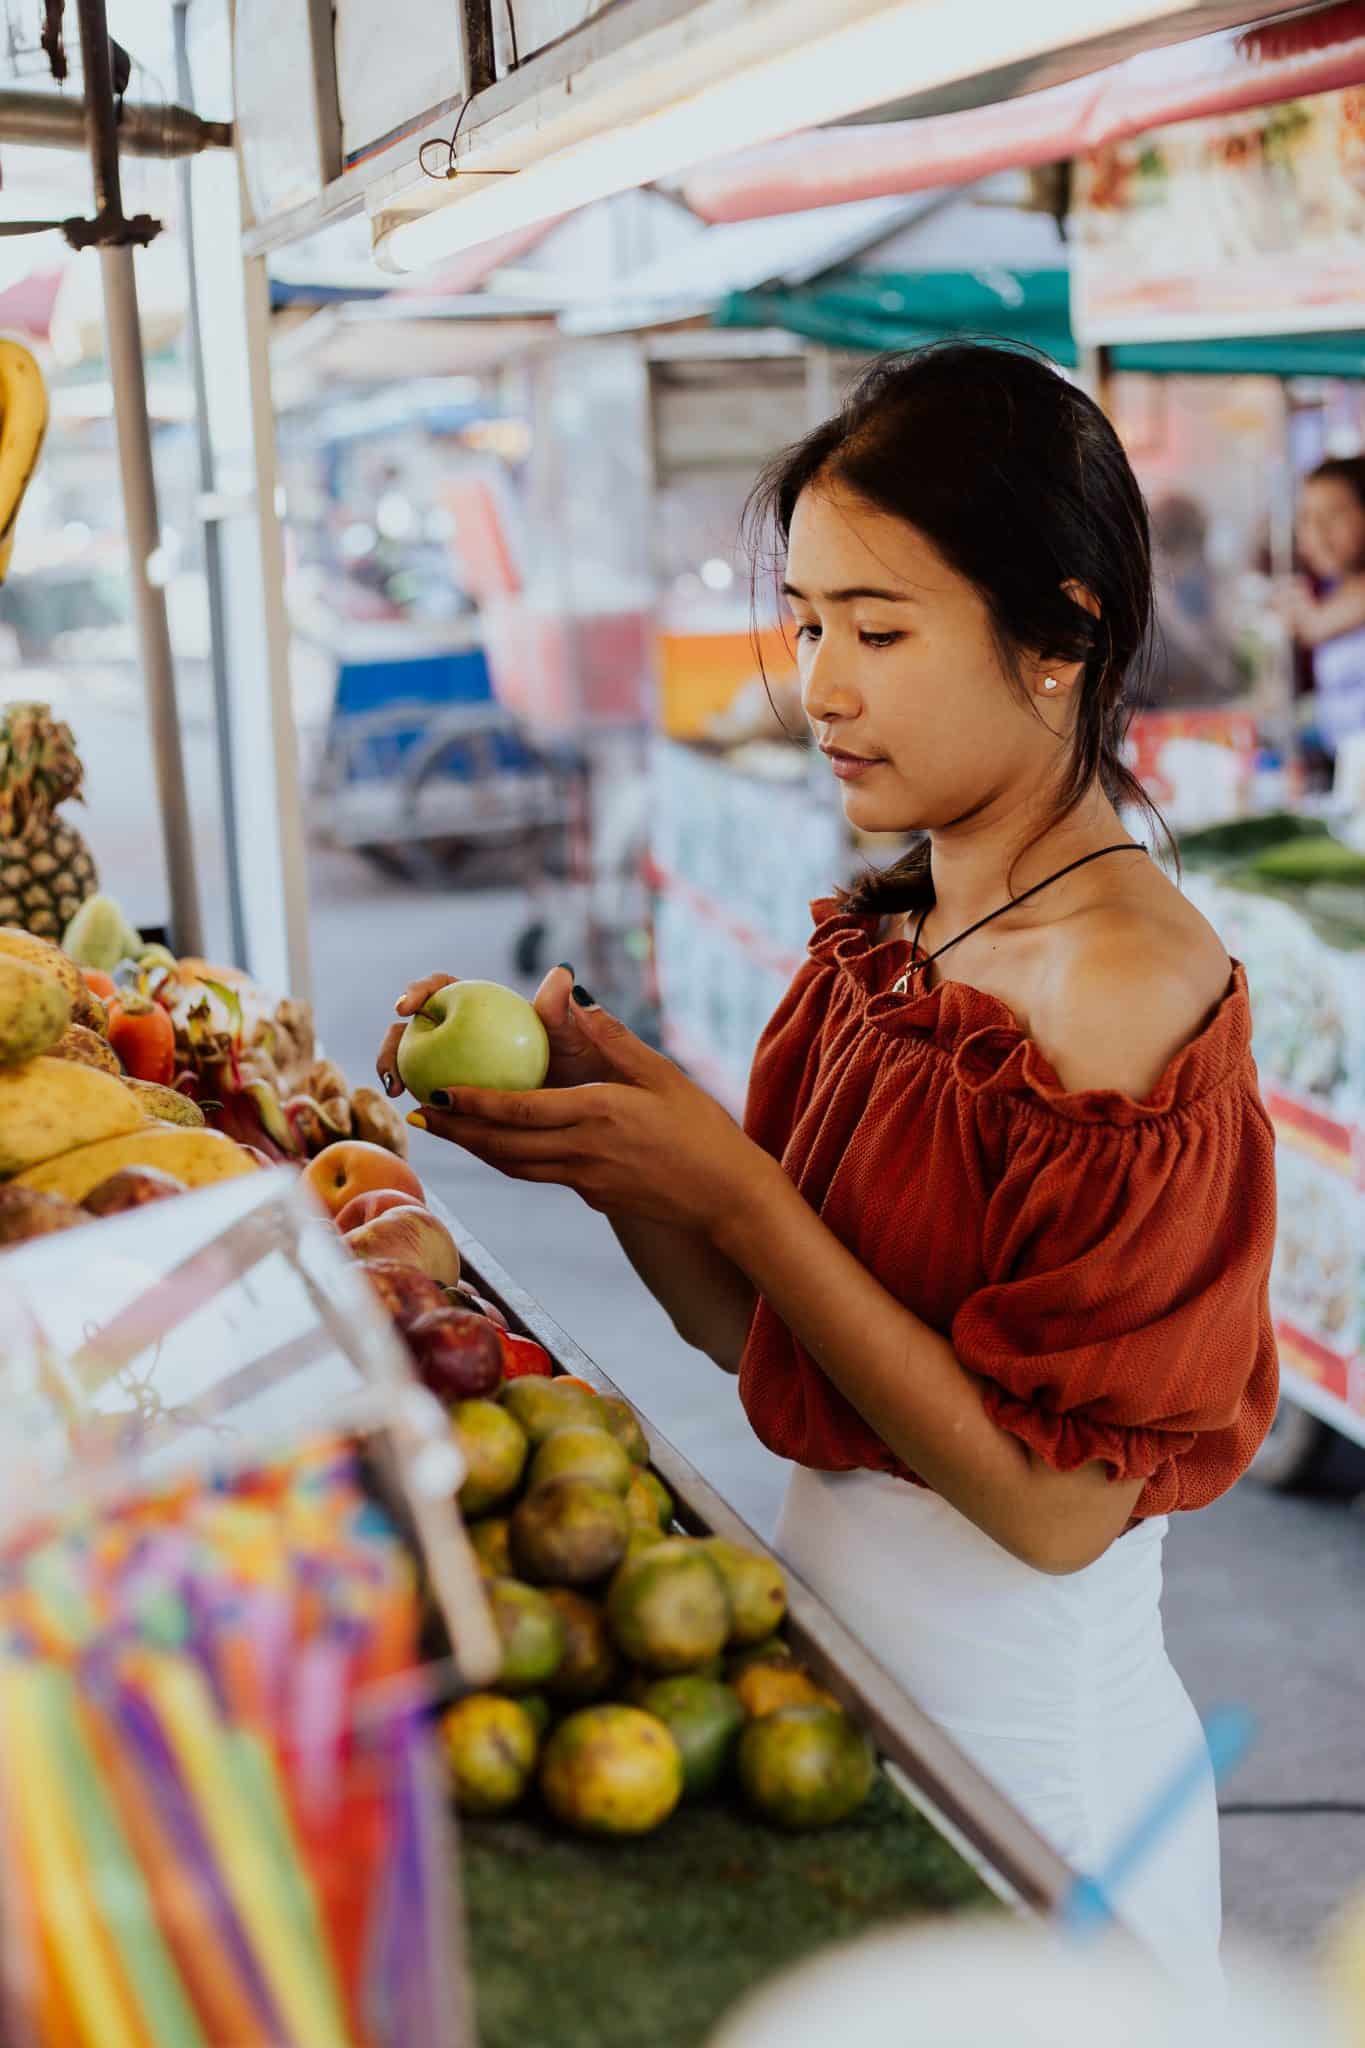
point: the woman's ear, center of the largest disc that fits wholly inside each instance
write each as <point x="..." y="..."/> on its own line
<point x="1056" y="681"/>
<point x="1080" y="594"/>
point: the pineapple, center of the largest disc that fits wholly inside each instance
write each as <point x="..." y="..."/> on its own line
<point x="46" y="871"/>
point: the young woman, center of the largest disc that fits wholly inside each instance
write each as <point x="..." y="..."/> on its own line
<point x="990" y="1255"/>
<point x="1329" y="619"/>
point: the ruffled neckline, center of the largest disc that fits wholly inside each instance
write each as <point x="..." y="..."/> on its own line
<point x="989" y="1051"/>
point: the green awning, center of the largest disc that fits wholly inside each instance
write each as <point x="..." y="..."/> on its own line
<point x="877" y="310"/>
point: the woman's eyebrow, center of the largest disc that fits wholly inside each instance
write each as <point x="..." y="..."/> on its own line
<point x="847" y="596"/>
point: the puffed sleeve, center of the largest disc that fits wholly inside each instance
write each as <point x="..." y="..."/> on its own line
<point x="1124" y="1315"/>
<point x="787" y="1058"/>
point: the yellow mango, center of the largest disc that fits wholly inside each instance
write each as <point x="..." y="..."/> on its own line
<point x="34" y="1011"/>
<point x="165" y="1105"/>
<point x="195" y="1157"/>
<point x="78" y="1042"/>
<point x="47" y="1106"/>
<point x="17" y="944"/>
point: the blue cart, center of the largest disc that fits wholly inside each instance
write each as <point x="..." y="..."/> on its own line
<point x="422" y="770"/>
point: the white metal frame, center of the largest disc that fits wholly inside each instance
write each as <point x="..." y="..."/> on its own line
<point x="594" y="75"/>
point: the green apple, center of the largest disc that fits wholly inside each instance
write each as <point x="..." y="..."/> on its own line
<point x="473" y="1034"/>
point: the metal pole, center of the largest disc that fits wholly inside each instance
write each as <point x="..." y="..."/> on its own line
<point x="293" y="844"/>
<point x="213" y="549"/>
<point x="101" y="119"/>
<point x="42" y="121"/>
<point x="123" y="331"/>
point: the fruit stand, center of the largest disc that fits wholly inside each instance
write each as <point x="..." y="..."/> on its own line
<point x="682" y="1923"/>
<point x="1288" y="897"/>
<point x="741" y="1817"/>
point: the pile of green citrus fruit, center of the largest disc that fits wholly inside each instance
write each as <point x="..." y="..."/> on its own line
<point x="640" y="1667"/>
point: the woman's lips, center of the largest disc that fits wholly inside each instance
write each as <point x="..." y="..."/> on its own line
<point x="848" y="767"/>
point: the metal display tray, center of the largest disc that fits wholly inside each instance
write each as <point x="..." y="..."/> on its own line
<point x="986" y="1829"/>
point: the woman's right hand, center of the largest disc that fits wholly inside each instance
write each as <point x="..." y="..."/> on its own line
<point x="574" y="1061"/>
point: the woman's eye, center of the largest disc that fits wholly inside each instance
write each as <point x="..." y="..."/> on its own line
<point x="809" y="632"/>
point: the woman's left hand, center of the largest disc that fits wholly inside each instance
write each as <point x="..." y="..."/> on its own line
<point x="649" y="1144"/>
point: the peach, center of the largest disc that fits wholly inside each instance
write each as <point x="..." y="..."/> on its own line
<point x="354" y="1167"/>
<point x="364" y="1208"/>
<point x="412" y="1236"/>
<point x="404" y="1291"/>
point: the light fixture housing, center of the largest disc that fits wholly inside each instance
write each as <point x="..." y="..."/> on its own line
<point x="725" y="76"/>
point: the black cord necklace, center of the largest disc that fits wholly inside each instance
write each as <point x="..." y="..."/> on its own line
<point x="901" y="986"/>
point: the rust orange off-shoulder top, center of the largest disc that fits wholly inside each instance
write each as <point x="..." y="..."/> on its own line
<point x="1101" y="1263"/>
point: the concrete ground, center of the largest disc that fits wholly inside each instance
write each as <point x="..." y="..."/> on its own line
<point x="1264" y="1594"/>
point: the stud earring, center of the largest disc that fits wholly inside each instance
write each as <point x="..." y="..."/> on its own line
<point x="1049" y="682"/>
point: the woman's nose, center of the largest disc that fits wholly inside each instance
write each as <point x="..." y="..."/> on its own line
<point x="823" y="694"/>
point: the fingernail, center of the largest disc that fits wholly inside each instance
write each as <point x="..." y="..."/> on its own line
<point x="583" y="999"/>
<point x="390" y="1083"/>
<point x="568" y="967"/>
<point x="439" y="1099"/>
<point x="416" y="1119"/>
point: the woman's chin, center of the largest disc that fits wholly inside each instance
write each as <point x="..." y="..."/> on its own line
<point x="867" y="812"/>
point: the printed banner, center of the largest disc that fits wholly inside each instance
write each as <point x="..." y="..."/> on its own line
<point x="1253" y="223"/>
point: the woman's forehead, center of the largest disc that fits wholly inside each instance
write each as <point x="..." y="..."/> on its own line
<point x="839" y="539"/>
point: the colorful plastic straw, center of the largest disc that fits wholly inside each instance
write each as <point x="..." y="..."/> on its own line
<point x="209" y="1836"/>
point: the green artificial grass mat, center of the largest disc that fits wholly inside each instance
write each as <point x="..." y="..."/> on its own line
<point x="646" y="1943"/>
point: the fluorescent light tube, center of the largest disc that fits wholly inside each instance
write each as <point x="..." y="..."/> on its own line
<point x="907" y="46"/>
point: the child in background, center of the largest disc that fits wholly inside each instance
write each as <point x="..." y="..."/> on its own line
<point x="1327" y="616"/>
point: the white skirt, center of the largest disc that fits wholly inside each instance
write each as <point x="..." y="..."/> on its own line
<point x="1057" y="1688"/>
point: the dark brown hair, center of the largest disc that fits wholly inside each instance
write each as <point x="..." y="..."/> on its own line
<point x="1022" y="484"/>
<point x="1342" y="469"/>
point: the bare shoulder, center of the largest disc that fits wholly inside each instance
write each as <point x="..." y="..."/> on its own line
<point x="1132" y="981"/>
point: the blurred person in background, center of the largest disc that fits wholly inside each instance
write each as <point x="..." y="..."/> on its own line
<point x="1325" y="609"/>
<point x="1194" y="662"/>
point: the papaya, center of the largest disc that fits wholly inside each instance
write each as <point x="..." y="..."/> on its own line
<point x="47" y="1106"/>
<point x="195" y="1157"/>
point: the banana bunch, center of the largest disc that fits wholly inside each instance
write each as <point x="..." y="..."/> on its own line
<point x="23" y="423"/>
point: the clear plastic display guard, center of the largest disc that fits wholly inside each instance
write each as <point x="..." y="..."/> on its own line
<point x="207" y="1332"/>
